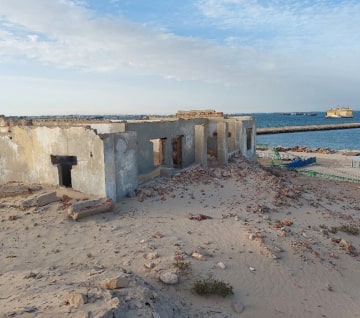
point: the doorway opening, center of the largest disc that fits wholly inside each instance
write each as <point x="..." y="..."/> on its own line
<point x="159" y="151"/>
<point x="64" y="165"/>
<point x="248" y="138"/>
<point x="176" y="143"/>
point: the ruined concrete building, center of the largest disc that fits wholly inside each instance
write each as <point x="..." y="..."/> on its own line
<point x="110" y="158"/>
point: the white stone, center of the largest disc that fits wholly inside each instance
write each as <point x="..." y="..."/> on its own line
<point x="115" y="283"/>
<point x="252" y="236"/>
<point x="76" y="300"/>
<point x="197" y="255"/>
<point x="169" y="278"/>
<point x="115" y="302"/>
<point x="152" y="255"/>
<point x="149" y="265"/>
<point x="238" y="308"/>
<point x="221" y="265"/>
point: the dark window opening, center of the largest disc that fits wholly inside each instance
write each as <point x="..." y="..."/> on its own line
<point x="177" y="151"/>
<point x="248" y="138"/>
<point x="64" y="165"/>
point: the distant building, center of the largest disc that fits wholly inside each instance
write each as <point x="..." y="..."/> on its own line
<point x="110" y="158"/>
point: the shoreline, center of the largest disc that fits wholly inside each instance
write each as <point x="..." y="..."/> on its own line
<point x="336" y="164"/>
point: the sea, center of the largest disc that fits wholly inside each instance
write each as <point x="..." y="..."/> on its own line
<point x="339" y="139"/>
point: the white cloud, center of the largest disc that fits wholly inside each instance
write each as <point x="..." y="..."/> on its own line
<point x="280" y="51"/>
<point x="71" y="36"/>
<point x="290" y="24"/>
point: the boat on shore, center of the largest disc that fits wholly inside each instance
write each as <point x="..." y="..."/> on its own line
<point x="339" y="112"/>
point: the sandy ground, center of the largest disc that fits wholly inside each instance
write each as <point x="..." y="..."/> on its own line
<point x="280" y="239"/>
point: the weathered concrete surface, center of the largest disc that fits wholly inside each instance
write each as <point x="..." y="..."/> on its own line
<point x="168" y="129"/>
<point x="201" y="133"/>
<point x="40" y="200"/>
<point x="120" y="164"/>
<point x="222" y="142"/>
<point x="26" y="156"/>
<point x="246" y="135"/>
<point x="166" y="172"/>
<point x="90" y="207"/>
<point x="107" y="158"/>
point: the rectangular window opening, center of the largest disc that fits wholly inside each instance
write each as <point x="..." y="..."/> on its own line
<point x="159" y="151"/>
<point x="248" y="138"/>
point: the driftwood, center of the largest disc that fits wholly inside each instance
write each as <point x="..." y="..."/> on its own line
<point x="90" y="207"/>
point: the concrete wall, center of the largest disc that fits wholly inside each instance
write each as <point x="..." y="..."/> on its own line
<point x="163" y="129"/>
<point x="243" y="124"/>
<point x="106" y="128"/>
<point x="120" y="158"/>
<point x="111" y="156"/>
<point x="227" y="141"/>
<point x="26" y="156"/>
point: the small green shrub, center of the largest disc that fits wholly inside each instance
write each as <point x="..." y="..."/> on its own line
<point x="182" y="265"/>
<point x="334" y="229"/>
<point x="353" y="230"/>
<point x="211" y="286"/>
<point x="348" y="229"/>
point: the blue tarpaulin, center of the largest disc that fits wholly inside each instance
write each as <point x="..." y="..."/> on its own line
<point x="299" y="162"/>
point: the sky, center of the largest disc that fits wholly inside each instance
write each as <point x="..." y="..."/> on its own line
<point x="61" y="57"/>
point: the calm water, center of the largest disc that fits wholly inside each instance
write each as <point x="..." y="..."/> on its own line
<point x="333" y="139"/>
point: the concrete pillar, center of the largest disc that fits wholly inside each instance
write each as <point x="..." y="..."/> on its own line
<point x="222" y="142"/>
<point x="120" y="164"/>
<point x="168" y="153"/>
<point x="126" y="164"/>
<point x="252" y="151"/>
<point x="110" y="167"/>
<point x="201" y="132"/>
<point x="233" y="139"/>
<point x="248" y="125"/>
<point x="237" y="139"/>
<point x="241" y="137"/>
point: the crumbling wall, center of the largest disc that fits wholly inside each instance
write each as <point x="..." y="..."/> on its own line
<point x="246" y="134"/>
<point x="26" y="156"/>
<point x="168" y="129"/>
<point x="206" y="113"/>
<point x="106" y="128"/>
<point x="235" y="139"/>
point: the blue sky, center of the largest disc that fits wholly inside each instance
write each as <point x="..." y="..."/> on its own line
<point x="160" y="56"/>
